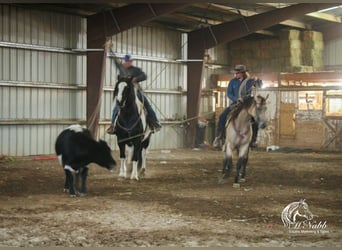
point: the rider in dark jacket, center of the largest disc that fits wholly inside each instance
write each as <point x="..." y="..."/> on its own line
<point x="127" y="69"/>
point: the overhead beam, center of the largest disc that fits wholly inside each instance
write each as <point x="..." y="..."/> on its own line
<point x="226" y="32"/>
<point x="205" y="38"/>
<point x="118" y="20"/>
<point x="317" y="14"/>
<point x="248" y="13"/>
<point x="325" y="17"/>
<point x="99" y="28"/>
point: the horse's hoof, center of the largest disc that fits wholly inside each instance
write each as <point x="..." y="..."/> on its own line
<point x="65" y="190"/>
<point x="236" y="185"/>
<point x="222" y="180"/>
<point x="142" y="172"/>
<point x="120" y="178"/>
<point x="82" y="194"/>
<point x="72" y="195"/>
<point x="242" y="180"/>
<point x="136" y="178"/>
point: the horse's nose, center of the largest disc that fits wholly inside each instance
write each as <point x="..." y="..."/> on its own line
<point x="262" y="125"/>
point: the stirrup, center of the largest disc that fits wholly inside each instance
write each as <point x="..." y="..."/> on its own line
<point x="156" y="127"/>
<point x="217" y="142"/>
<point x="111" y="130"/>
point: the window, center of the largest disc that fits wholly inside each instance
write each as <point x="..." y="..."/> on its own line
<point x="310" y="100"/>
<point x="333" y="103"/>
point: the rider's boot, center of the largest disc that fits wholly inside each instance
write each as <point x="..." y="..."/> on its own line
<point x="217" y="143"/>
<point x="111" y="130"/>
<point x="156" y="126"/>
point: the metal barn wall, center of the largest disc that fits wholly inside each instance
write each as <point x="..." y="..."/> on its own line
<point x="216" y="63"/>
<point x="157" y="52"/>
<point x="332" y="54"/>
<point x="42" y="81"/>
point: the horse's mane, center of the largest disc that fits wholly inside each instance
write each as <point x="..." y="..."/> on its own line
<point x="246" y="104"/>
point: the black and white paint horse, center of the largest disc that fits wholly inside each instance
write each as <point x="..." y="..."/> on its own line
<point x="75" y="149"/>
<point x="131" y="128"/>
<point x="239" y="135"/>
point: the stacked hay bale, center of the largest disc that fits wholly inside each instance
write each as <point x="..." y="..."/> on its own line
<point x="313" y="46"/>
<point x="293" y="51"/>
<point x="290" y="54"/>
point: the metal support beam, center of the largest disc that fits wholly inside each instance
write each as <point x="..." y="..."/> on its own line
<point x="202" y="39"/>
<point x="96" y="63"/>
<point x="194" y="90"/>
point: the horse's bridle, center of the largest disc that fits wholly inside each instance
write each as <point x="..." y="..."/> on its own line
<point x="128" y="130"/>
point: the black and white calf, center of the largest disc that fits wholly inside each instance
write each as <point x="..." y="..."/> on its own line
<point x="75" y="149"/>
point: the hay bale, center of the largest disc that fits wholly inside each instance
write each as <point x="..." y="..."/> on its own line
<point x="312" y="35"/>
<point x="311" y="44"/>
<point x="289" y="35"/>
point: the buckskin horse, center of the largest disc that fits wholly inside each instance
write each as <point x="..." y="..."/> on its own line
<point x="239" y="135"/>
<point x="131" y="128"/>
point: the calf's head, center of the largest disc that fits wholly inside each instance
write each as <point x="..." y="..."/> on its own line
<point x="105" y="158"/>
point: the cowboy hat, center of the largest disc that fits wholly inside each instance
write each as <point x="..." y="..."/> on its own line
<point x="240" y="68"/>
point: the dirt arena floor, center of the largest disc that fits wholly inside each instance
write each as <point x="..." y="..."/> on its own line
<point x="178" y="203"/>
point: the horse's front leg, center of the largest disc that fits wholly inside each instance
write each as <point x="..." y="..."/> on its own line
<point x="243" y="173"/>
<point x="227" y="161"/>
<point x="241" y="163"/>
<point x="143" y="163"/>
<point x="227" y="164"/>
<point x="236" y="183"/>
<point x="135" y="158"/>
<point x="123" y="167"/>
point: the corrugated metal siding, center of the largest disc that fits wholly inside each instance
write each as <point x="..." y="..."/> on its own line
<point x="40" y="79"/>
<point x="217" y="63"/>
<point x="332" y="55"/>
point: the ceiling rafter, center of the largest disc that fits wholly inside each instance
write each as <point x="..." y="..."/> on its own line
<point x="326" y="17"/>
<point x="247" y="13"/>
<point x="316" y="14"/>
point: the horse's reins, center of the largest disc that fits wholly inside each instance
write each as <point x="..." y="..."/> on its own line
<point x="238" y="132"/>
<point x="137" y="121"/>
<point x="135" y="124"/>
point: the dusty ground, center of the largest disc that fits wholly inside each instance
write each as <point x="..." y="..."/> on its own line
<point x="178" y="203"/>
